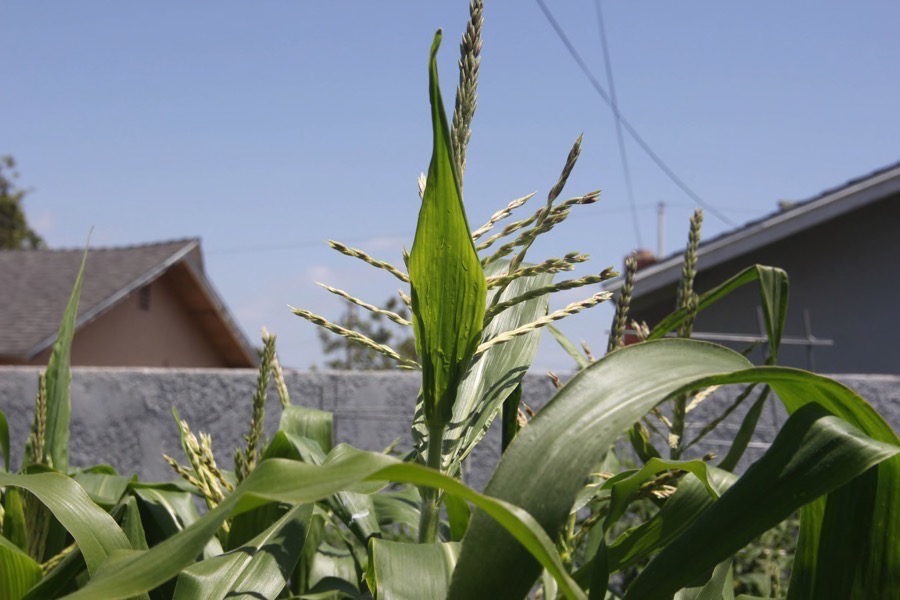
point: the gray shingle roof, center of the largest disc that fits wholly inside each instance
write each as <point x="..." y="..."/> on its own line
<point x="35" y="286"/>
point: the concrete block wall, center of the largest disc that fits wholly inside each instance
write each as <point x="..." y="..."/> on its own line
<point x="123" y="417"/>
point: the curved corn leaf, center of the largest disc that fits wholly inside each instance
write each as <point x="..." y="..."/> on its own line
<point x="168" y="510"/>
<point x="624" y="487"/>
<point x="95" y="532"/>
<point x="131" y="573"/>
<point x="569" y="347"/>
<point x="258" y="569"/>
<point x="399" y="571"/>
<point x="559" y="447"/>
<point x="446" y="279"/>
<point x="773" y="295"/>
<point x="814" y="453"/>
<point x="719" y="587"/>
<point x="679" y="511"/>
<point x="20" y="571"/>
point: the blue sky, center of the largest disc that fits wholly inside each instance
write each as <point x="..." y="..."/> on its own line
<point x="267" y="128"/>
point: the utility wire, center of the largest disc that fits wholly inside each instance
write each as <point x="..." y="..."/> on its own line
<point x="620" y="137"/>
<point x="628" y="127"/>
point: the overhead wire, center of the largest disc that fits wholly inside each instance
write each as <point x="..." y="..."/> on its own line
<point x="625" y="124"/>
<point x="620" y="137"/>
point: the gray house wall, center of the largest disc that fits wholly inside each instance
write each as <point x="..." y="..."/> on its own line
<point x="845" y="273"/>
<point x="123" y="417"/>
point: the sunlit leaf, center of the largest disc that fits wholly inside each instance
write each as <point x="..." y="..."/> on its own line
<point x="447" y="282"/>
<point x="400" y="571"/>
<point x="258" y="569"/>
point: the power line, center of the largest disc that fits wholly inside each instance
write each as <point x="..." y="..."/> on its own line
<point x="620" y="137"/>
<point x="310" y="243"/>
<point x="628" y="127"/>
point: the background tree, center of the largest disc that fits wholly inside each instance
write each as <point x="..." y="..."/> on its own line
<point x="350" y="356"/>
<point x="15" y="234"/>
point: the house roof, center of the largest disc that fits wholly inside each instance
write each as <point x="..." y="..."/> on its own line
<point x="828" y="205"/>
<point x="38" y="283"/>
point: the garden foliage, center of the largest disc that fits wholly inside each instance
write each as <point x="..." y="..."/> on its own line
<point x="301" y="517"/>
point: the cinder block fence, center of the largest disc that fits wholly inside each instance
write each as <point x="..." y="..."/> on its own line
<point x="123" y="417"/>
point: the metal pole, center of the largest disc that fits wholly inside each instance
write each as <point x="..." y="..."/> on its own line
<point x="661" y="229"/>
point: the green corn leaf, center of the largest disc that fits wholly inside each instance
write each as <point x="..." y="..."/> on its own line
<point x="494" y="375"/>
<point x="14" y="527"/>
<point x="622" y="489"/>
<point x="569" y="347"/>
<point x="773" y="295"/>
<point x="719" y="587"/>
<point x="399" y="571"/>
<point x="96" y="533"/>
<point x="561" y="445"/>
<point x="447" y="281"/>
<point x="304" y="434"/>
<point x="679" y="511"/>
<point x="59" y="379"/>
<point x="19" y="571"/>
<point x="814" y="453"/>
<point x="104" y="488"/>
<point x="745" y="433"/>
<point x="258" y="569"/>
<point x="293" y="482"/>
<point x="169" y="510"/>
<point x="316" y="425"/>
<point x="400" y="507"/>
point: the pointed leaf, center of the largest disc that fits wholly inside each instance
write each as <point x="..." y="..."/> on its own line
<point x="773" y="294"/>
<point x="59" y="379"/>
<point x="448" y="285"/>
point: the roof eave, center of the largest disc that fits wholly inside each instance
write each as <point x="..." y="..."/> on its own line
<point x="773" y="229"/>
<point x="101" y="307"/>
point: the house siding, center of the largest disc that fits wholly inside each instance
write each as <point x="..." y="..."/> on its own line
<point x="148" y="329"/>
<point x="843" y="272"/>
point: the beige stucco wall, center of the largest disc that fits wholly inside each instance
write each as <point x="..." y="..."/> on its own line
<point x="163" y="335"/>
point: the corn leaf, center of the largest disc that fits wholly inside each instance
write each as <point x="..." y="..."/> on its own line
<point x="20" y="571"/>
<point x="258" y="569"/>
<point x="292" y="482"/>
<point x="14" y="527"/>
<point x="399" y="571"/>
<point x="446" y="278"/>
<point x="95" y="532"/>
<point x="773" y="295"/>
<point x="59" y="379"/>
<point x="561" y="445"/>
<point x="689" y="502"/>
<point x="494" y="375"/>
<point x="170" y="510"/>
<point x="814" y="453"/>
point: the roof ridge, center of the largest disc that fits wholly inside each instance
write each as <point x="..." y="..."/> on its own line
<point x="93" y="248"/>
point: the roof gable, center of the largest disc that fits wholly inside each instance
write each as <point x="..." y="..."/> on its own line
<point x="37" y="284"/>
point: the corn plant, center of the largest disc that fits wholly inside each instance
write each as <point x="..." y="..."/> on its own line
<point x="300" y="517"/>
